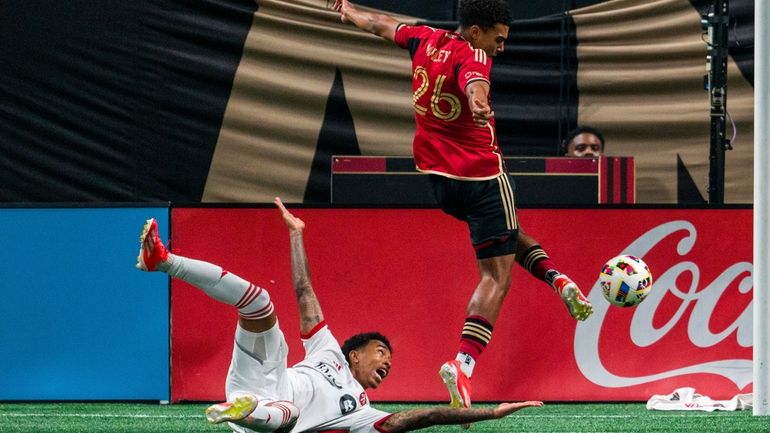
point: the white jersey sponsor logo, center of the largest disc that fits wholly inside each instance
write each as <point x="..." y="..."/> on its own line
<point x="329" y="372"/>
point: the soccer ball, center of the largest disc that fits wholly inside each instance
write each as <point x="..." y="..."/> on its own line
<point x="625" y="280"/>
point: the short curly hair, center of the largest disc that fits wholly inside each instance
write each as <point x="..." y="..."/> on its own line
<point x="360" y="340"/>
<point x="483" y="13"/>
<point x="582" y="129"/>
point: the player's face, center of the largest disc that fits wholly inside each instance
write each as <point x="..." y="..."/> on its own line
<point x="585" y="144"/>
<point x="370" y="364"/>
<point x="491" y="40"/>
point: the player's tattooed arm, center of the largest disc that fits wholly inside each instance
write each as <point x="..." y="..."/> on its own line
<point x="309" y="308"/>
<point x="409" y="420"/>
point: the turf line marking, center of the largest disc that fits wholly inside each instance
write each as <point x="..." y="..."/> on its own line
<point x="645" y="415"/>
<point x="94" y="415"/>
<point x="103" y="415"/>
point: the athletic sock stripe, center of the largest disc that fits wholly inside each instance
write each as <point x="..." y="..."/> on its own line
<point x="477" y="329"/>
<point x="286" y="413"/>
<point x="532" y="250"/>
<point x="264" y="311"/>
<point x="481" y="341"/>
<point x="251" y="298"/>
<point x="472" y="327"/>
<point x="524" y="259"/>
<point x="287" y="418"/>
<point x="484" y="337"/>
<point x="259" y="314"/>
<point x="532" y="257"/>
<point x="478" y="326"/>
<point x="246" y="295"/>
<point x="480" y="320"/>
<point x="284" y="410"/>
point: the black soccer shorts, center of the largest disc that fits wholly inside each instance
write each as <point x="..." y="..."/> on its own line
<point x="487" y="206"/>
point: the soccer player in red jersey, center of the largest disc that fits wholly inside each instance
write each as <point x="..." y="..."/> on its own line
<point x="456" y="145"/>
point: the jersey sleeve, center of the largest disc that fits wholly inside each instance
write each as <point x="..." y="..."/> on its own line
<point x="320" y="340"/>
<point x="472" y="65"/>
<point x="406" y="33"/>
<point x="402" y="36"/>
<point x="369" y="420"/>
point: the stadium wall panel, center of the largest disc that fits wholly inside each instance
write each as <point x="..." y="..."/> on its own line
<point x="77" y="321"/>
<point x="409" y="273"/>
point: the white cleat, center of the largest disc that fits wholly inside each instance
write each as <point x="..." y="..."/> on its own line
<point x="458" y="385"/>
<point x="235" y="410"/>
<point x="579" y="307"/>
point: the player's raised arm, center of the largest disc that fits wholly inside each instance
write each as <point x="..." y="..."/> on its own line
<point x="309" y="309"/>
<point x="409" y="420"/>
<point x="379" y="24"/>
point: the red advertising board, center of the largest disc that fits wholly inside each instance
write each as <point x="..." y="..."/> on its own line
<point x="409" y="273"/>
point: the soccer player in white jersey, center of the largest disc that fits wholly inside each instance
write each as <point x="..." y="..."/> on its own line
<point x="324" y="392"/>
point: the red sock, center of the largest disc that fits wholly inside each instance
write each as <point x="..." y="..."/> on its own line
<point x="537" y="262"/>
<point x="477" y="332"/>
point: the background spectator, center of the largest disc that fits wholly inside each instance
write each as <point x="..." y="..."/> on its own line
<point x="583" y="141"/>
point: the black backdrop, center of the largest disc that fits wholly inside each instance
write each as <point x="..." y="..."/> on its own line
<point x="109" y="101"/>
<point x="446" y="10"/>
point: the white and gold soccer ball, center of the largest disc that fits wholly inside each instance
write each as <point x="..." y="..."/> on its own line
<point x="625" y="280"/>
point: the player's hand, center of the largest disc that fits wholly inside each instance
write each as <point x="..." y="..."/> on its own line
<point x="343" y="7"/>
<point x="293" y="223"/>
<point x="482" y="113"/>
<point x="505" y="409"/>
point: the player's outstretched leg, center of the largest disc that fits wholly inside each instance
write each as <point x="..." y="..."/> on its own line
<point x="247" y="411"/>
<point x="534" y="259"/>
<point x="253" y="302"/>
<point x="577" y="304"/>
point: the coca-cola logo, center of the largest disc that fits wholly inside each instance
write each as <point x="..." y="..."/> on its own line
<point x="700" y="299"/>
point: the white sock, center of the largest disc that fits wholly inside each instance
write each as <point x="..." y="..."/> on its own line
<point x="253" y="302"/>
<point x="467" y="363"/>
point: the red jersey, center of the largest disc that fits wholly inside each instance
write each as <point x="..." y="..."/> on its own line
<point x="446" y="141"/>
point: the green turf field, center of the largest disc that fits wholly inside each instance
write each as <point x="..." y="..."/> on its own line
<point x="135" y="417"/>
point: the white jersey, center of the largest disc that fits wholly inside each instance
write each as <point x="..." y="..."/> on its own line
<point x="325" y="391"/>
